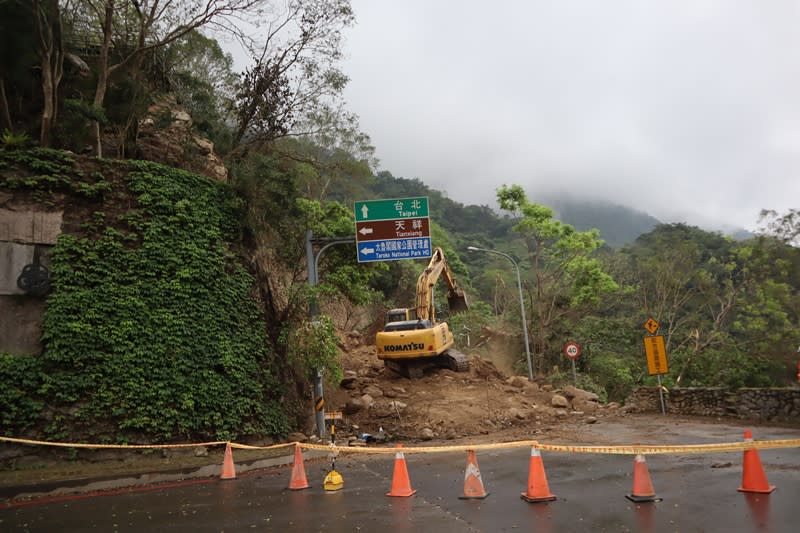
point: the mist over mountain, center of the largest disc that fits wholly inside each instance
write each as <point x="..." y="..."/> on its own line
<point x="618" y="224"/>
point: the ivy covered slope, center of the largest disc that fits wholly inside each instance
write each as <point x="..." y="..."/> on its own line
<point x="151" y="331"/>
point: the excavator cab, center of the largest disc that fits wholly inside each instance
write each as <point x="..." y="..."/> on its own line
<point x="408" y="325"/>
<point x="401" y="314"/>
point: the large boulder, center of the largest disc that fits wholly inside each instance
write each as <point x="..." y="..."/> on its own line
<point x="373" y="390"/>
<point x="587" y="406"/>
<point x="353" y="406"/>
<point x="517" y="381"/>
<point x="559" y="401"/>
<point x="574" y="392"/>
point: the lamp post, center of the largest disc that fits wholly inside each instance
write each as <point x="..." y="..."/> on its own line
<point x="521" y="303"/>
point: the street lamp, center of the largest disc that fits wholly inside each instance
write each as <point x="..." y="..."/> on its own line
<point x="521" y="303"/>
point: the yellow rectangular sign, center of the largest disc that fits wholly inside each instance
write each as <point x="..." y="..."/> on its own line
<point x="656" y="355"/>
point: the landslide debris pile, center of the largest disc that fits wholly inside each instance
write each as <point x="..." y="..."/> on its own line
<point x="448" y="405"/>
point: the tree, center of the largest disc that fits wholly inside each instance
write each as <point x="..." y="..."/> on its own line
<point x="341" y="168"/>
<point x="19" y="43"/>
<point x="689" y="280"/>
<point x="295" y="82"/>
<point x="201" y="75"/>
<point x="785" y="227"/>
<point x="50" y="48"/>
<point x="568" y="281"/>
<point x="766" y="320"/>
<point x="665" y="264"/>
<point x="128" y="29"/>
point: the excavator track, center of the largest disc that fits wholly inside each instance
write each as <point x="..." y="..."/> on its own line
<point x="407" y="370"/>
<point x="451" y="359"/>
<point x="456" y="361"/>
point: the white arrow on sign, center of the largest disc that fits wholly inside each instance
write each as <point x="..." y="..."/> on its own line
<point x="367" y="251"/>
<point x="365" y="231"/>
<point x="364" y="211"/>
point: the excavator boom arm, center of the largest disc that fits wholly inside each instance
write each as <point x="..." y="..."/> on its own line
<point x="438" y="267"/>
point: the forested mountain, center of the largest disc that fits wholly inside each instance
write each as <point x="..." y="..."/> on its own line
<point x="618" y="225"/>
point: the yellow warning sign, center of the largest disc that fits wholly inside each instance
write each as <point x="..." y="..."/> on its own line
<point x="656" y="355"/>
<point x="651" y="326"/>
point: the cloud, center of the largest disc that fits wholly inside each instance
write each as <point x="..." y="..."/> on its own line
<point x="687" y="110"/>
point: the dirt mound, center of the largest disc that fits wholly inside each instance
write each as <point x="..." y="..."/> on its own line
<point x="447" y="405"/>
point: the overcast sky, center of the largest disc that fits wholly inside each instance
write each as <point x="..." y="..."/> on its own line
<point x="687" y="110"/>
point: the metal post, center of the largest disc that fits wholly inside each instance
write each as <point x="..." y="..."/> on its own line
<point x="574" y="374"/>
<point x="661" y="394"/>
<point x="521" y="304"/>
<point x="313" y="310"/>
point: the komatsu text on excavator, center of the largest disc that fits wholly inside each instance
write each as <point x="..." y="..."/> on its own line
<point x="412" y="339"/>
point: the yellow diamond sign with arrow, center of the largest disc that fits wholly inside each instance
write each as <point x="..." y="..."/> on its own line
<point x="651" y="326"/>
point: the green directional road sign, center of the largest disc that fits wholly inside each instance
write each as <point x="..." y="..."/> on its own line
<point x="390" y="230"/>
<point x="391" y="209"/>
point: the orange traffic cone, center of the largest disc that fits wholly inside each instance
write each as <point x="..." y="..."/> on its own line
<point x="298" y="481"/>
<point x="642" y="485"/>
<point x="401" y="484"/>
<point x="753" y="477"/>
<point x="228" y="469"/>
<point x="473" y="484"/>
<point x="538" y="490"/>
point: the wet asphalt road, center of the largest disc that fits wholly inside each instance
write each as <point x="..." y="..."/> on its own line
<point x="590" y="488"/>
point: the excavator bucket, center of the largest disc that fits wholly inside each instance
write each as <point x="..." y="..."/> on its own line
<point x="457" y="302"/>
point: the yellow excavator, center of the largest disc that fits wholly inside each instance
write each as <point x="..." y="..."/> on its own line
<point x="411" y="339"/>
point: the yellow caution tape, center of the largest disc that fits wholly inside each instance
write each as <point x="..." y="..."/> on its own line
<point x="139" y="446"/>
<point x="621" y="450"/>
<point x="424" y="449"/>
<point x="106" y="446"/>
<point x="675" y="448"/>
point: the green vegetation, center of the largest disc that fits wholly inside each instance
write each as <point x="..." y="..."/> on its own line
<point x="151" y="331"/>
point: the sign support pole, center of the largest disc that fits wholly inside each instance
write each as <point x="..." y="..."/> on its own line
<point x="313" y="310"/>
<point x="574" y="374"/>
<point x="661" y="394"/>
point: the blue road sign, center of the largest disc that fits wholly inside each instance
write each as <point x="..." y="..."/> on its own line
<point x="394" y="249"/>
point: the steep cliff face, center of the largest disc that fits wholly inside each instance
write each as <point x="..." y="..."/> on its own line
<point x="166" y="135"/>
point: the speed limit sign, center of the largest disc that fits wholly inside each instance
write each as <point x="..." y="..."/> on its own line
<point x="572" y="350"/>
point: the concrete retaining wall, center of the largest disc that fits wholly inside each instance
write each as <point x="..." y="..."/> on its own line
<point x="780" y="405"/>
<point x="25" y="233"/>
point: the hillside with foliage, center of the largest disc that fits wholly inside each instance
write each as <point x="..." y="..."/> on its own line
<point x="180" y="305"/>
<point x="152" y="328"/>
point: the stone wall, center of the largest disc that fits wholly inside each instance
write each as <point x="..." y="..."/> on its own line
<point x="779" y="405"/>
